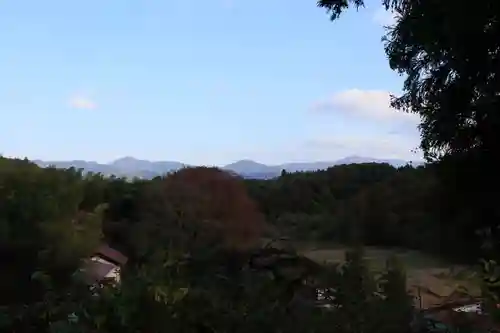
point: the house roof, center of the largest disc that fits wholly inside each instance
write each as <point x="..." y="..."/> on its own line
<point x="478" y="322"/>
<point x="96" y="271"/>
<point x="111" y="254"/>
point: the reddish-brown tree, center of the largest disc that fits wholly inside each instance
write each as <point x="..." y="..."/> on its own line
<point x="208" y="203"/>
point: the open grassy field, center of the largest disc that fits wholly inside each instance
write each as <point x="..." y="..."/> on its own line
<point x="434" y="280"/>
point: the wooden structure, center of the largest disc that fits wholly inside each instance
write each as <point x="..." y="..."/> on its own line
<point x="104" y="265"/>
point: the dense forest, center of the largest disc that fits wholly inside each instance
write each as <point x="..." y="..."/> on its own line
<point x="371" y="204"/>
<point x="376" y="204"/>
<point x="194" y="238"/>
<point x="196" y="262"/>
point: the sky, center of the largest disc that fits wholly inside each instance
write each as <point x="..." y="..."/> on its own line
<point x="197" y="81"/>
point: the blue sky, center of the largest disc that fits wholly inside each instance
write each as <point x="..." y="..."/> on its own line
<point x="199" y="81"/>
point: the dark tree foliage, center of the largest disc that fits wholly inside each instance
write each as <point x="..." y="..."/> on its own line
<point x="192" y="237"/>
<point x="43" y="237"/>
<point x="375" y="204"/>
<point x="191" y="268"/>
<point x="315" y="192"/>
<point x="449" y="53"/>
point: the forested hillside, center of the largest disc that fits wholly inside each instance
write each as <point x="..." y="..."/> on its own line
<point x="193" y="238"/>
<point x="373" y="204"/>
<point x="195" y="259"/>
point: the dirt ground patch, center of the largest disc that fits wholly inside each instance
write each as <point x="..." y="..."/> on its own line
<point x="376" y="257"/>
<point x="432" y="281"/>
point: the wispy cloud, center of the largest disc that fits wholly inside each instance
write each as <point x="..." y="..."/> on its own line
<point x="384" y="146"/>
<point x="373" y="104"/>
<point x="82" y="103"/>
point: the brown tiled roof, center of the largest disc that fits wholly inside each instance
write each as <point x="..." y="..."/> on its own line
<point x="96" y="271"/>
<point x="111" y="254"/>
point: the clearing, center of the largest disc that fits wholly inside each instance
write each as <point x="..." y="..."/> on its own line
<point x="432" y="281"/>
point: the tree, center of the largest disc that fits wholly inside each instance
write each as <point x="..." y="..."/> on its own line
<point x="452" y="83"/>
<point x="449" y="53"/>
<point x="397" y="307"/>
<point x="202" y="204"/>
<point x="43" y="237"/>
<point x="199" y="270"/>
<point x="450" y="69"/>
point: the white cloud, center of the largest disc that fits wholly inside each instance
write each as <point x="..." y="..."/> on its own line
<point x="383" y="17"/>
<point x="325" y="147"/>
<point x="82" y="103"/>
<point x="373" y="104"/>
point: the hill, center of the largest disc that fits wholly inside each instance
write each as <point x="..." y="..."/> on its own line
<point x="131" y="167"/>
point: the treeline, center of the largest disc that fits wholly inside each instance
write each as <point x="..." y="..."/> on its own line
<point x="371" y="204"/>
<point x="195" y="260"/>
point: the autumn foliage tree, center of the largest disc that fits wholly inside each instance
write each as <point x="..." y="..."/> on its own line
<point x="204" y="204"/>
<point x="195" y="264"/>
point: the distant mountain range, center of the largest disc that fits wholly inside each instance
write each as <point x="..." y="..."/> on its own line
<point x="132" y="167"/>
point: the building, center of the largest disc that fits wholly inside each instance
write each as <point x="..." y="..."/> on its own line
<point x="104" y="265"/>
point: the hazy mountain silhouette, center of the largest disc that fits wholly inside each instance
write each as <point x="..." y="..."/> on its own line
<point x="132" y="167"/>
<point x="249" y="166"/>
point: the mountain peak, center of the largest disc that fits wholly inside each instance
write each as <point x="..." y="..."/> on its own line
<point x="130" y="166"/>
<point x="244" y="166"/>
<point x="125" y="159"/>
<point x="246" y="161"/>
